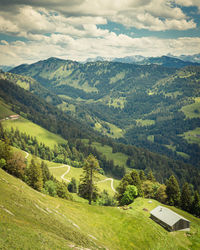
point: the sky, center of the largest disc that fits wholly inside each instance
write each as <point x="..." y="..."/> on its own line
<point x="79" y="29"/>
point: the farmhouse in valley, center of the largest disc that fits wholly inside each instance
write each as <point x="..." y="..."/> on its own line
<point x="14" y="117"/>
<point x="169" y="219"/>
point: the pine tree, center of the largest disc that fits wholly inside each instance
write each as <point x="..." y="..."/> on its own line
<point x="35" y="179"/>
<point x="5" y="153"/>
<point x="72" y="186"/>
<point x="150" y="176"/>
<point x="2" y="132"/>
<point x="196" y="204"/>
<point x="142" y="175"/>
<point x="87" y="187"/>
<point x="173" y="191"/>
<point x="186" y="197"/>
<point x="45" y="172"/>
<point x="62" y="191"/>
<point x="136" y="182"/>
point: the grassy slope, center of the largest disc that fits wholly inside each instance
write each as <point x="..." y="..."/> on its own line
<point x="192" y="136"/>
<point x="192" y="110"/>
<point x="118" y="158"/>
<point x="50" y="140"/>
<point x="30" y="220"/>
<point x="32" y="129"/>
<point x="74" y="172"/>
<point x="4" y="110"/>
<point x="77" y="172"/>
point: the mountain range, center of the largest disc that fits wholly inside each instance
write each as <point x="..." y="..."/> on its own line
<point x="167" y="61"/>
<point x="149" y="106"/>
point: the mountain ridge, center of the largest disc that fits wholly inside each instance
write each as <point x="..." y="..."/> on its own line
<point x="24" y="103"/>
<point x="133" y="103"/>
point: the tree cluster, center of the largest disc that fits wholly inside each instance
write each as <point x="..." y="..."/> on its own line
<point x="35" y="174"/>
<point x="61" y="153"/>
<point x="169" y="193"/>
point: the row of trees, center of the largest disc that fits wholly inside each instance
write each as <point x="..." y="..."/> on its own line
<point x="169" y="193"/>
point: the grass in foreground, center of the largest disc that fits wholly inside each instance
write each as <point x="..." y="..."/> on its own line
<point x="30" y="220"/>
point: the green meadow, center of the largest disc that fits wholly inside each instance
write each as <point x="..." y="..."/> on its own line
<point x="42" y="135"/>
<point x="192" y="136"/>
<point x="192" y="110"/>
<point x="31" y="220"/>
<point x="58" y="171"/>
<point x="5" y="110"/>
<point x="118" y="158"/>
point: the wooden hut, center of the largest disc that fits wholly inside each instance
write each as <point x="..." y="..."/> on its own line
<point x="169" y="219"/>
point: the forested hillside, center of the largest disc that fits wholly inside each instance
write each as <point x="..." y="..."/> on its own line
<point x="149" y="106"/>
<point x="56" y="121"/>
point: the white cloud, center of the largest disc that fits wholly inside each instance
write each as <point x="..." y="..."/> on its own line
<point x="188" y="3"/>
<point x="44" y="16"/>
<point x="69" y="29"/>
<point x="6" y="26"/>
<point x="111" y="45"/>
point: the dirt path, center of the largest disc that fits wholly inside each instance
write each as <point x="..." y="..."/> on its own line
<point x="27" y="154"/>
<point x="109" y="179"/>
<point x="62" y="176"/>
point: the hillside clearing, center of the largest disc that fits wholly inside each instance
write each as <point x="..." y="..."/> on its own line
<point x="118" y="158"/>
<point x="32" y="129"/>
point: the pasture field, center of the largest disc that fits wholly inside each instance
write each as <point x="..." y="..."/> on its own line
<point x="192" y="136"/>
<point x="141" y="122"/>
<point x="58" y="169"/>
<point x="5" y="110"/>
<point x="118" y="158"/>
<point x="31" y="220"/>
<point x="34" y="130"/>
<point x="192" y="110"/>
<point x="77" y="172"/>
<point x="110" y="129"/>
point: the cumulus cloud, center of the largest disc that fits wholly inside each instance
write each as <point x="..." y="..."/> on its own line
<point x="147" y="14"/>
<point x="111" y="45"/>
<point x="188" y="3"/>
<point x="70" y="29"/>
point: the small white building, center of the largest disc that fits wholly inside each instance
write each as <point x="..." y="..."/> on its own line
<point x="14" y="117"/>
<point x="169" y="219"/>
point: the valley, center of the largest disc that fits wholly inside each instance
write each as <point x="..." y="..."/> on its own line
<point x="60" y="172"/>
<point x="149" y="106"/>
<point x="100" y="125"/>
<point x="60" y="139"/>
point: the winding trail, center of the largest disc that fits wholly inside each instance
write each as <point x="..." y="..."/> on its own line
<point x="27" y="154"/>
<point x="62" y="176"/>
<point x="109" y="179"/>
